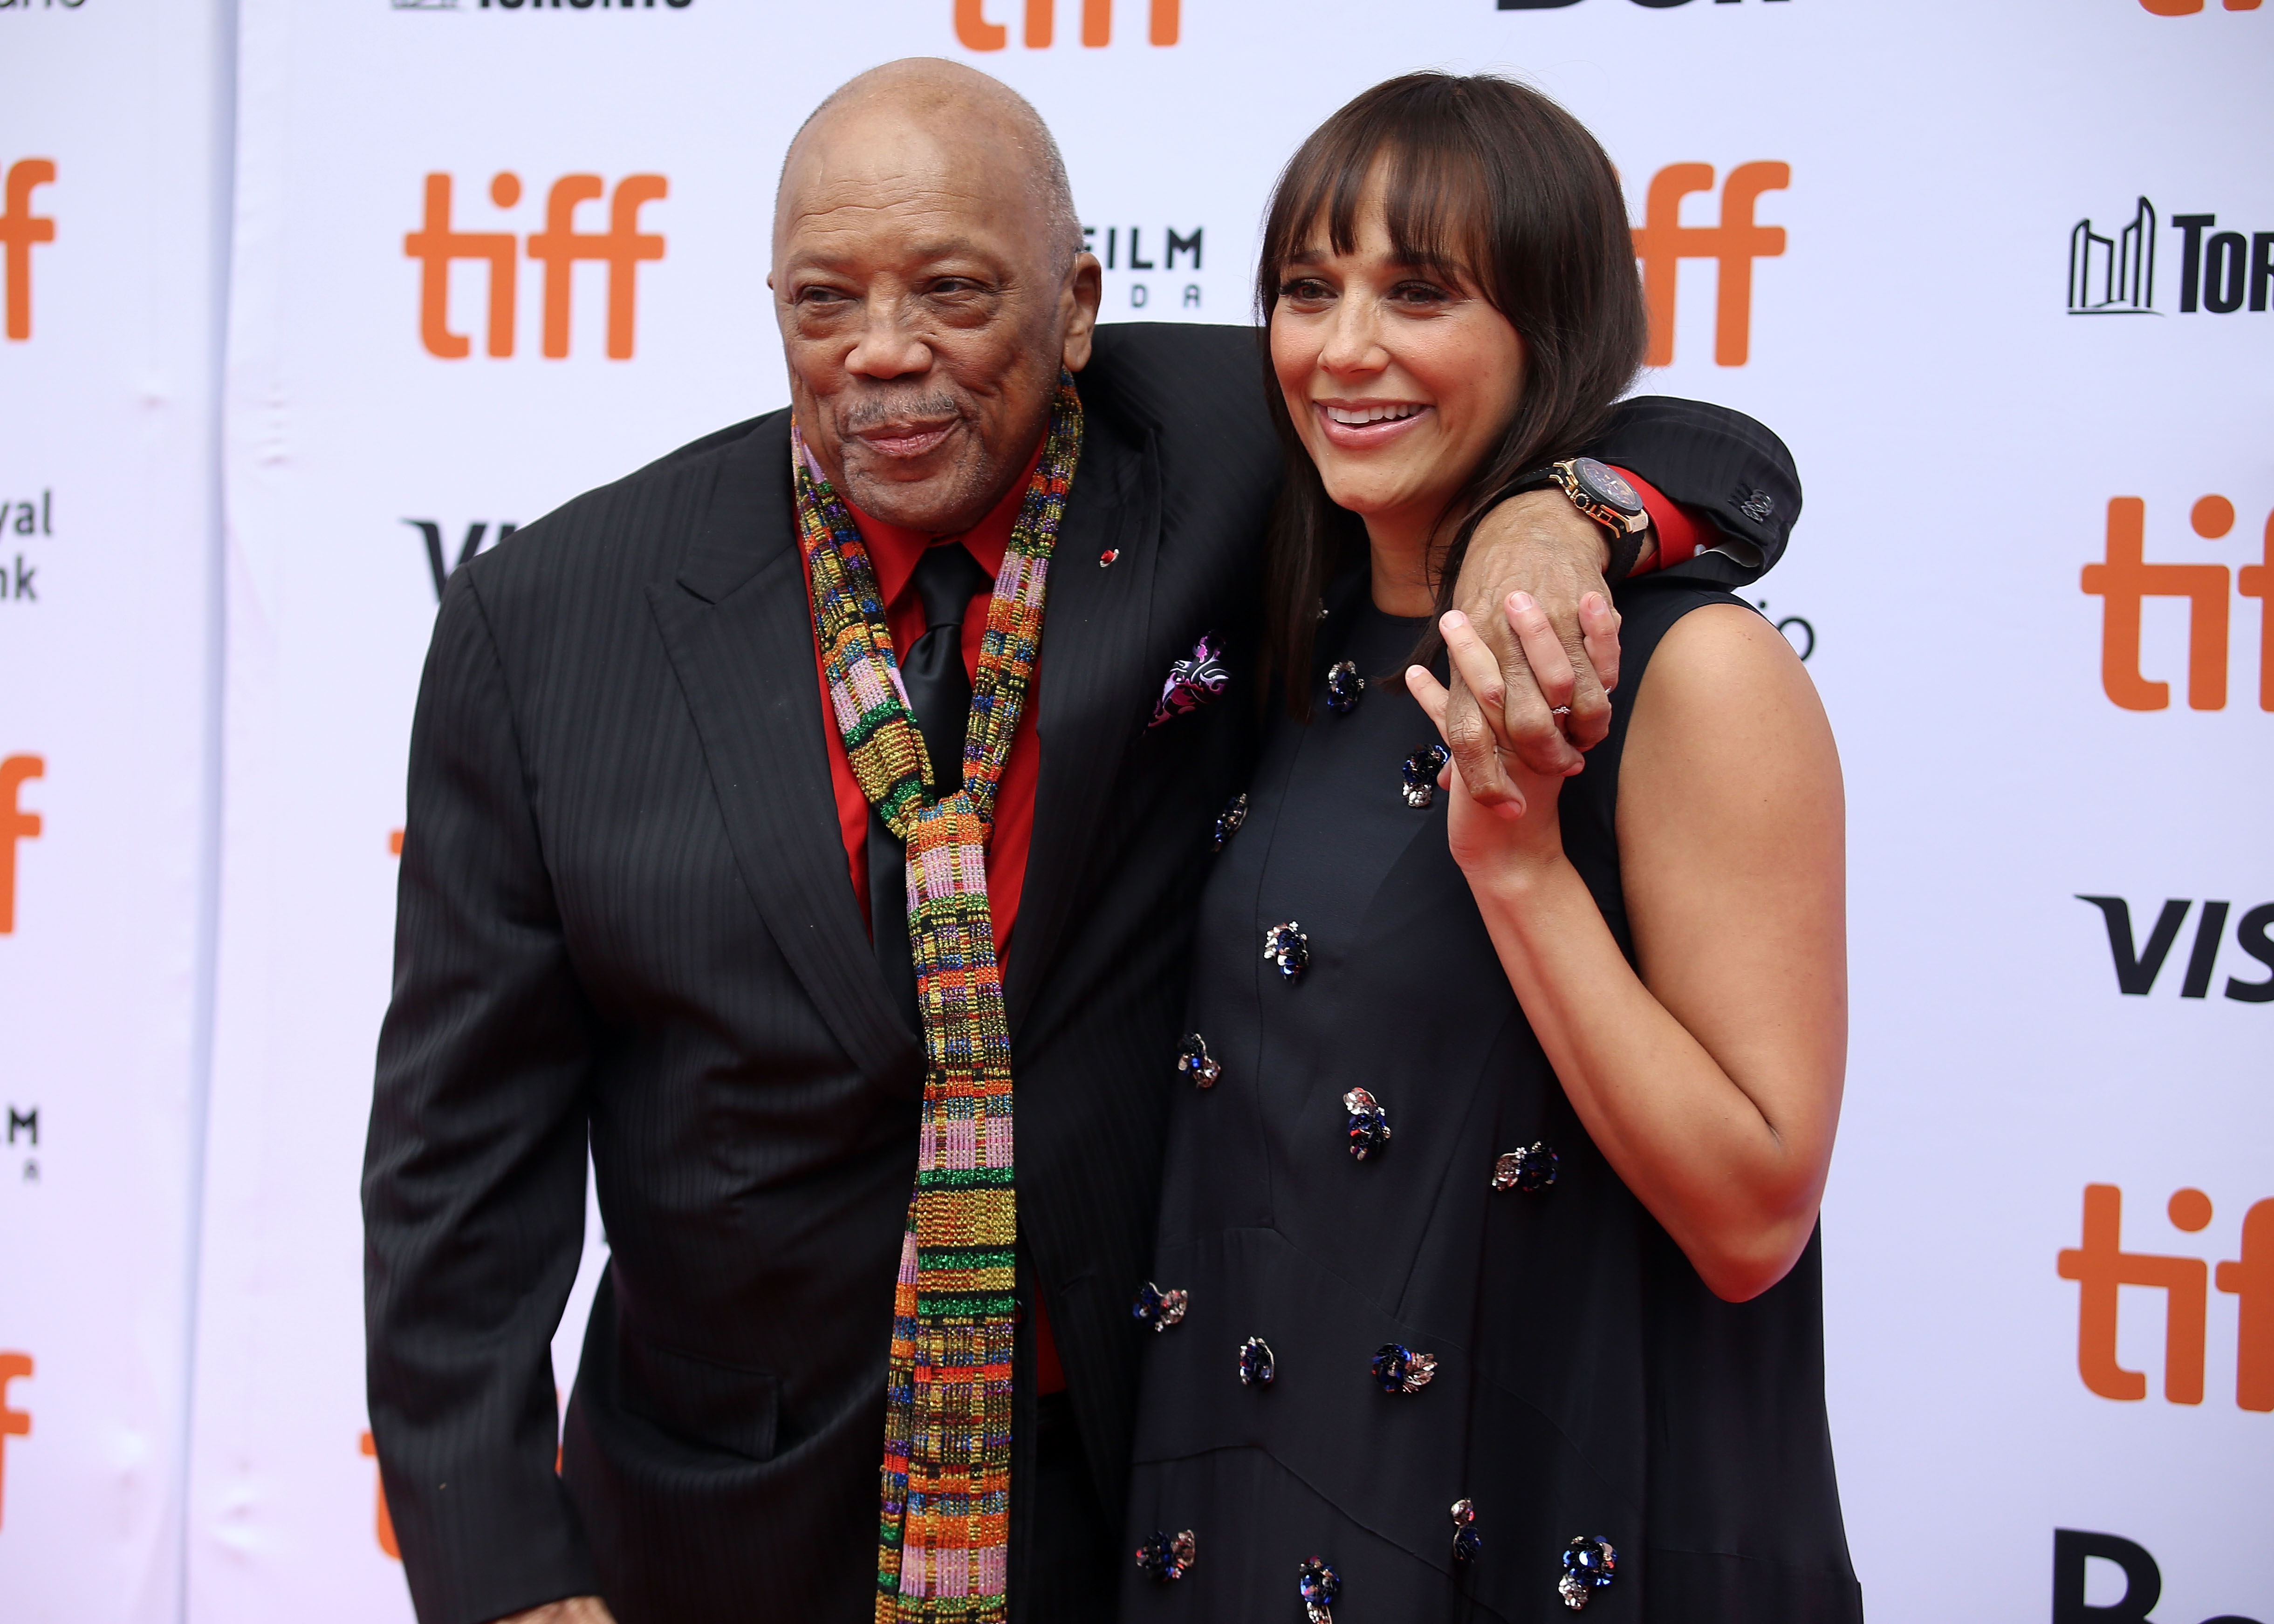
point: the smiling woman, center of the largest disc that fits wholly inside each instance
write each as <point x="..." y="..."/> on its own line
<point x="1452" y="301"/>
<point x="1503" y="1178"/>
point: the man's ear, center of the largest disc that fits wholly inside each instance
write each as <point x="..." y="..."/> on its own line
<point x="1083" y="292"/>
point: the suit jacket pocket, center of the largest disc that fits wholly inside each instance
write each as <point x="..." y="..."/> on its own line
<point x="701" y="1401"/>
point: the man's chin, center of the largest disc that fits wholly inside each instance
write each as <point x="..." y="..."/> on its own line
<point x="937" y="495"/>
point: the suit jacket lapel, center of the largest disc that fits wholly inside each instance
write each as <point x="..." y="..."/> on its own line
<point x="1091" y="679"/>
<point x="738" y="630"/>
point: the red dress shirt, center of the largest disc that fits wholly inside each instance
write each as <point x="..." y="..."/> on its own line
<point x="893" y="552"/>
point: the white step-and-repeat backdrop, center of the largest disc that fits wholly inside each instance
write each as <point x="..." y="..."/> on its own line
<point x="2000" y="274"/>
<point x="114" y="233"/>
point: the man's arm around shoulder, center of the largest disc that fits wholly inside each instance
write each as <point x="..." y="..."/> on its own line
<point x="1727" y="470"/>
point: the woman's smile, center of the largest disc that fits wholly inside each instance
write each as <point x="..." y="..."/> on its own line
<point x="1365" y="426"/>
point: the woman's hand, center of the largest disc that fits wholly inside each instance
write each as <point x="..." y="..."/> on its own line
<point x="1507" y="842"/>
<point x="1536" y="542"/>
<point x="1712" y="1081"/>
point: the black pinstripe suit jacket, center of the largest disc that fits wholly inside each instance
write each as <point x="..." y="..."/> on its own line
<point x="625" y="920"/>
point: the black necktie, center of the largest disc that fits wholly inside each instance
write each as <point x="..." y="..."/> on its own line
<point x="946" y="578"/>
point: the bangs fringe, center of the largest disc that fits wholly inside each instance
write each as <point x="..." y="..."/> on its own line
<point x="1484" y="181"/>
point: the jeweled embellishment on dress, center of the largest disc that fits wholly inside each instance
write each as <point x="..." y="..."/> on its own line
<point x="1258" y="1367"/>
<point x="1229" y="820"/>
<point x="1401" y="1370"/>
<point x="1166" y="1556"/>
<point x="1466" y="1541"/>
<point x="1369" y="1126"/>
<point x="1589" y="1564"/>
<point x="1195" y="1060"/>
<point x="1157" y="1308"/>
<point x="1319" y="1585"/>
<point x="1344" y="686"/>
<point x="1420" y="772"/>
<point x="1530" y="1168"/>
<point x="1287" y="947"/>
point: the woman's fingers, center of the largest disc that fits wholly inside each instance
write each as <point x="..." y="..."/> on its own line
<point x="1551" y="664"/>
<point x="1429" y="694"/>
<point x="1435" y="700"/>
<point x="1476" y="664"/>
<point x="1598" y="628"/>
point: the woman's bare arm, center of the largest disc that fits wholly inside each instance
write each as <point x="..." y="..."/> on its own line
<point x="1711" y="1081"/>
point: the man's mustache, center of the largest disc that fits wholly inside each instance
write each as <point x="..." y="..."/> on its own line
<point x="888" y="411"/>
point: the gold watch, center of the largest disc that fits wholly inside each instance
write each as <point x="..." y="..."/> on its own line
<point x="1597" y="491"/>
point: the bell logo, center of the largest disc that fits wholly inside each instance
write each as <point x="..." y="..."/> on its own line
<point x="2101" y="1266"/>
<point x="1039" y="25"/>
<point x="20" y="229"/>
<point x="2123" y="579"/>
<point x="15" y="826"/>
<point x="13" y="1423"/>
<point x="2075" y="1548"/>
<point x="1662" y="242"/>
<point x="437" y="245"/>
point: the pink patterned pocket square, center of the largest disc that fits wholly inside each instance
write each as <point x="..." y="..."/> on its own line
<point x="1193" y="682"/>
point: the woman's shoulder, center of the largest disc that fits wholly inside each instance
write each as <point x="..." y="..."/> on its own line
<point x="1710" y="695"/>
<point x="1693" y="647"/>
<point x="1650" y="608"/>
<point x="1720" y="721"/>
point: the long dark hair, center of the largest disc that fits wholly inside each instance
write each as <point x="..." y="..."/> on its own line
<point x="1488" y="178"/>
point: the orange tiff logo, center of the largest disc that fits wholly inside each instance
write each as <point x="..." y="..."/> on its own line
<point x="1040" y="23"/>
<point x="2185" y="8"/>
<point x="2123" y="579"/>
<point x="2101" y="1266"/>
<point x="437" y="245"/>
<point x="15" y="824"/>
<point x="20" y="229"/>
<point x="1662" y="242"/>
<point x="13" y="1423"/>
<point x="385" y="1522"/>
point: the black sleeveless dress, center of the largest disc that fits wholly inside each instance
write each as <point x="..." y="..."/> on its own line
<point x="1586" y="1385"/>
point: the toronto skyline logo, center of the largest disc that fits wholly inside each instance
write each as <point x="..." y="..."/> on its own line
<point x="2113" y="276"/>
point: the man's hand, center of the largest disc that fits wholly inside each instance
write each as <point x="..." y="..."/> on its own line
<point x="575" y="1610"/>
<point x="1532" y="566"/>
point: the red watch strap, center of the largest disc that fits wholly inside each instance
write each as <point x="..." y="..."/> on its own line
<point x="1677" y="532"/>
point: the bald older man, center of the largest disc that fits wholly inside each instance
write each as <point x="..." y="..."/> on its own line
<point x="648" y="906"/>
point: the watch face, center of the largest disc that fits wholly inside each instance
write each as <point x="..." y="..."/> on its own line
<point x="1604" y="485"/>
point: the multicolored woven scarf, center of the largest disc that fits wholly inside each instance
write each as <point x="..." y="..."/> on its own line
<point x="942" y="1549"/>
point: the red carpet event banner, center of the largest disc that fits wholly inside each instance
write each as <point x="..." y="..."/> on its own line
<point x="114" y="176"/>
<point x="2002" y="275"/>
